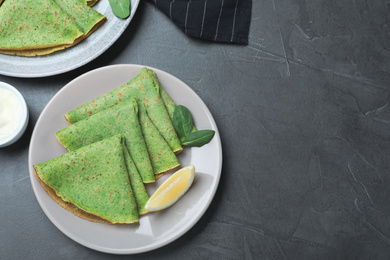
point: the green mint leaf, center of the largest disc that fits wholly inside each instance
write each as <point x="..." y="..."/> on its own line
<point x="120" y="8"/>
<point x="182" y="121"/>
<point x="198" y="138"/>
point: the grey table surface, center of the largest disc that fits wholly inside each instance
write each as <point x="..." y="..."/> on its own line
<point x="304" y="117"/>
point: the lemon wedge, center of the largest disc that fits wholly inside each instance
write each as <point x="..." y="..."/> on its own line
<point x="172" y="189"/>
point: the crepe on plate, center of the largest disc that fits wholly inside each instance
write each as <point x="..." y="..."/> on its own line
<point x="95" y="179"/>
<point x="168" y="102"/>
<point x="87" y="18"/>
<point x="161" y="156"/>
<point x="130" y="119"/>
<point x="144" y="88"/>
<point x="123" y="119"/>
<point x="116" y="120"/>
<point x="22" y="26"/>
<point x="140" y="194"/>
<point x="45" y="26"/>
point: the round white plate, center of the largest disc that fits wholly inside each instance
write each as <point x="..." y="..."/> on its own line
<point x="74" y="57"/>
<point x="154" y="229"/>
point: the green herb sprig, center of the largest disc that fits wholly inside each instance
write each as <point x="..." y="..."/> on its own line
<point x="120" y="8"/>
<point x="183" y="124"/>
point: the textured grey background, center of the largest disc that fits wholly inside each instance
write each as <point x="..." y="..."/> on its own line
<point x="304" y="117"/>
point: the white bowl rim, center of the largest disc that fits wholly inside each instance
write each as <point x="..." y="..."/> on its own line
<point x="25" y="116"/>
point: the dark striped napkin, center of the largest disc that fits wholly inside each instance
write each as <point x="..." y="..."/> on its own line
<point x="215" y="20"/>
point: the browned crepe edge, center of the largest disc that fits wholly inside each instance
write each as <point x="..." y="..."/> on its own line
<point x="179" y="151"/>
<point x="97" y="25"/>
<point x="38" y="47"/>
<point x="46" y="51"/>
<point x="25" y="52"/>
<point x="159" y="175"/>
<point x="94" y="3"/>
<point x="73" y="208"/>
<point x="31" y="53"/>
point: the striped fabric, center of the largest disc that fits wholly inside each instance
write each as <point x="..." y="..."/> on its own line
<point x="215" y="20"/>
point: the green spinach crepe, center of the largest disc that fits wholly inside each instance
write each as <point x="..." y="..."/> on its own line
<point x="36" y="24"/>
<point x="144" y="88"/>
<point x="168" y="102"/>
<point x="139" y="190"/>
<point x="121" y="119"/>
<point x="140" y="194"/>
<point x="86" y="18"/>
<point x="35" y="52"/>
<point x="95" y="179"/>
<point x="162" y="157"/>
<point x="70" y="206"/>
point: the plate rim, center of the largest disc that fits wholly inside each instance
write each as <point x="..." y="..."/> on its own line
<point x="171" y="237"/>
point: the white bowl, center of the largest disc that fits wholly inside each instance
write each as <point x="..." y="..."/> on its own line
<point x="24" y="118"/>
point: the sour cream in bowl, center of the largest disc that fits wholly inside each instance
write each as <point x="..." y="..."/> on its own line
<point x="13" y="114"/>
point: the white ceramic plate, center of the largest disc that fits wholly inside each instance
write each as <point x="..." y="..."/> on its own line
<point x="74" y="57"/>
<point x="155" y="229"/>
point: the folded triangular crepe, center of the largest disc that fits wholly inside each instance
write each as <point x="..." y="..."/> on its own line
<point x="143" y="88"/>
<point x="139" y="190"/>
<point x="36" y="52"/>
<point x="36" y="24"/>
<point x="168" y="102"/>
<point x="86" y="18"/>
<point x="70" y="206"/>
<point x="121" y="119"/>
<point x="161" y="156"/>
<point x="95" y="179"/>
<point x="140" y="194"/>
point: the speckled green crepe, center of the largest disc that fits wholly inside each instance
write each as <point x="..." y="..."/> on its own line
<point x="139" y="190"/>
<point x="168" y="102"/>
<point x="70" y="206"/>
<point x="142" y="87"/>
<point x="35" y="52"/>
<point x="95" y="179"/>
<point x="22" y="25"/>
<point x="121" y="119"/>
<point x="162" y="157"/>
<point x="87" y="18"/>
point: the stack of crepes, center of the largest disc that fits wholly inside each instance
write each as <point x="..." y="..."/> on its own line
<point x="40" y="27"/>
<point x="122" y="138"/>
